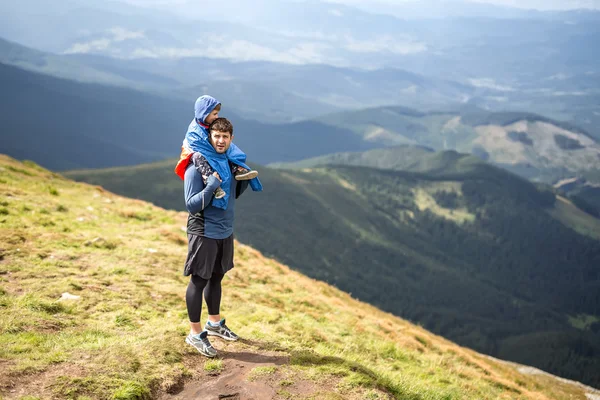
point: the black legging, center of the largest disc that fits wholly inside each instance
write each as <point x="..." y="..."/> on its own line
<point x="212" y="295"/>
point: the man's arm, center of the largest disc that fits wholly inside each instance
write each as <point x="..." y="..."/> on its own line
<point x="198" y="197"/>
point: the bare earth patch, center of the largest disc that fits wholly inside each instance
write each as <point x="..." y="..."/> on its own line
<point x="235" y="380"/>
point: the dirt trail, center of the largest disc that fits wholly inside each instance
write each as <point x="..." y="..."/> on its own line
<point x="234" y="382"/>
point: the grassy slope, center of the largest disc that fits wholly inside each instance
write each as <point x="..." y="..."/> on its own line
<point x="566" y="212"/>
<point x="124" y="337"/>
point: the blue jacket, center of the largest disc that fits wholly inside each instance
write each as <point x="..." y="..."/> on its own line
<point x="197" y="140"/>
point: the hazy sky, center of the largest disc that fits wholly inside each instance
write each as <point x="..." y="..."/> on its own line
<point x="528" y="4"/>
<point x="531" y="4"/>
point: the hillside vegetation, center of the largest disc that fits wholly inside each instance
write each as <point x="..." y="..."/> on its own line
<point x="423" y="159"/>
<point x="122" y="338"/>
<point x="472" y="252"/>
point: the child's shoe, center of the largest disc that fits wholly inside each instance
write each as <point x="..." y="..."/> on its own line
<point x="243" y="174"/>
<point x="219" y="193"/>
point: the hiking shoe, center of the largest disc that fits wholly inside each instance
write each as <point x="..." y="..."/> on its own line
<point x="245" y="176"/>
<point x="221" y="331"/>
<point x="219" y="193"/>
<point x="202" y="344"/>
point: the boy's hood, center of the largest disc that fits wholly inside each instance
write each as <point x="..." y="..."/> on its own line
<point x="204" y="105"/>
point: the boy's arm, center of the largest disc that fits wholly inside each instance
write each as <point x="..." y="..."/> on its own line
<point x="197" y="196"/>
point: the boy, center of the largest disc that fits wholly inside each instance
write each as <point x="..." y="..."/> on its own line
<point x="206" y="111"/>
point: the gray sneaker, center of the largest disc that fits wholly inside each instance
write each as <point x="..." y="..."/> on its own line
<point x="221" y="331"/>
<point x="219" y="193"/>
<point x="202" y="344"/>
<point x="245" y="176"/>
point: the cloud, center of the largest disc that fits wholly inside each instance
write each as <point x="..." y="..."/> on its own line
<point x="489" y="83"/>
<point x="244" y="50"/>
<point x="397" y="45"/>
<point x="116" y="34"/>
<point x="94" y="45"/>
<point x="121" y="34"/>
<point x="241" y="50"/>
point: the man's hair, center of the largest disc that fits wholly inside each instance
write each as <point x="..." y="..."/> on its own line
<point x="221" y="125"/>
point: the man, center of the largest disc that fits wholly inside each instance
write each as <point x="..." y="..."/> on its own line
<point x="210" y="237"/>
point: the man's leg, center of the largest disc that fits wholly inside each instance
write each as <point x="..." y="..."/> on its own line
<point x="193" y="300"/>
<point x="215" y="326"/>
<point x="212" y="295"/>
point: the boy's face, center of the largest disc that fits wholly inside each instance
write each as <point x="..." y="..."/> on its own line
<point x="221" y="140"/>
<point x="214" y="114"/>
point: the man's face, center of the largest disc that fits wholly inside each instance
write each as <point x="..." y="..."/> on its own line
<point x="214" y="114"/>
<point x="221" y="140"/>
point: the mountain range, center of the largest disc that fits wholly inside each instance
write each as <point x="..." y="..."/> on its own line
<point x="509" y="60"/>
<point x="127" y="127"/>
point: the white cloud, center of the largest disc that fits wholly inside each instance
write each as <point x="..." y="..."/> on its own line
<point x="94" y="45"/>
<point x="489" y="83"/>
<point x="241" y="50"/>
<point x="336" y="13"/>
<point x="397" y="45"/>
<point x="558" y="77"/>
<point x="575" y="93"/>
<point x="118" y="35"/>
<point x="143" y="53"/>
<point x="122" y="34"/>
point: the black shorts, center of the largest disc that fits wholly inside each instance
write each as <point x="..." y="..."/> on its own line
<point x="206" y="255"/>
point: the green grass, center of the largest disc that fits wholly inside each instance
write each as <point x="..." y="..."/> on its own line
<point x="583" y="322"/>
<point x="573" y="217"/>
<point x="214" y="365"/>
<point x="259" y="372"/>
<point x="124" y="338"/>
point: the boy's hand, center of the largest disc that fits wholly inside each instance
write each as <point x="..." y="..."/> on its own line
<point x="216" y="175"/>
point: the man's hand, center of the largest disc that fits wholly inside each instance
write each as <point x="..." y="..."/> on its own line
<point x="216" y="175"/>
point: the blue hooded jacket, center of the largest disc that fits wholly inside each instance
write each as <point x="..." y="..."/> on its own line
<point x="197" y="140"/>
